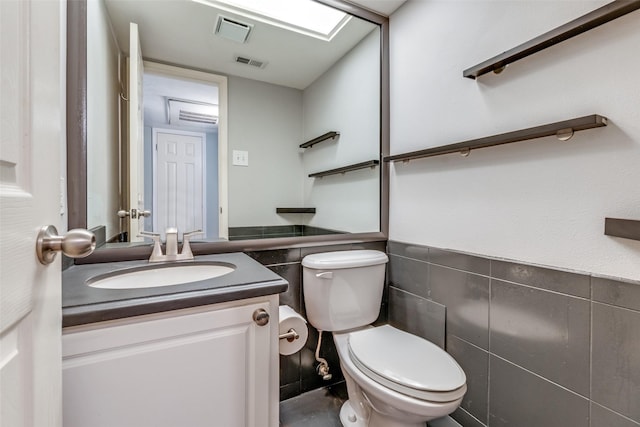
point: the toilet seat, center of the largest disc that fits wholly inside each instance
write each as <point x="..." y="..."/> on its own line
<point x="407" y="364"/>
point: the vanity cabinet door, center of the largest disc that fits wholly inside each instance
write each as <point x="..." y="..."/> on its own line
<point x="204" y="369"/>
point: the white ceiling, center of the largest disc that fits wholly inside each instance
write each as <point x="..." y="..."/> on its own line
<point x="383" y="7"/>
<point x="181" y="32"/>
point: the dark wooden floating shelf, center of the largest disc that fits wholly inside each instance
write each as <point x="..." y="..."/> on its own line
<point x="296" y="210"/>
<point x="314" y="141"/>
<point x="625" y="228"/>
<point x="566" y="126"/>
<point x="591" y="20"/>
<point x="363" y="165"/>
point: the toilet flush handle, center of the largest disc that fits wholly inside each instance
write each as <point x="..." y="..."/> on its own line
<point x="325" y="275"/>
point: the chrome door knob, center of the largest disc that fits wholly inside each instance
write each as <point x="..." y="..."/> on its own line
<point x="77" y="243"/>
<point x="261" y="317"/>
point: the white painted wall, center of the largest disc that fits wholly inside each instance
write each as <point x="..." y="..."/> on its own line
<point x="266" y="121"/>
<point x="345" y="99"/>
<point x="102" y="121"/>
<point x="270" y="122"/>
<point x="541" y="202"/>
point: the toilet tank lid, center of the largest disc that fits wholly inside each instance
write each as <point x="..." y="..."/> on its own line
<point x="344" y="259"/>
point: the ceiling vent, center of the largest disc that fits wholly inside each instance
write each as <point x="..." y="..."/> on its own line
<point x="232" y="29"/>
<point x="184" y="112"/>
<point x="190" y="116"/>
<point x="248" y="61"/>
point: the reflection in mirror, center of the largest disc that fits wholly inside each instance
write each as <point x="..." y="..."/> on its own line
<point x="283" y="87"/>
<point x="181" y="146"/>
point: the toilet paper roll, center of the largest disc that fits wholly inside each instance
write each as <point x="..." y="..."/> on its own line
<point x="289" y="319"/>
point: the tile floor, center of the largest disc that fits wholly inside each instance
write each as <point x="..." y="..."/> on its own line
<point x="321" y="408"/>
<point x="317" y="408"/>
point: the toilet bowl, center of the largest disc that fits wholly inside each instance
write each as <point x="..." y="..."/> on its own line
<point x="394" y="379"/>
<point x="406" y="382"/>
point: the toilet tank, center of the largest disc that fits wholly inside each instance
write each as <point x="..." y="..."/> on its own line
<point x="343" y="290"/>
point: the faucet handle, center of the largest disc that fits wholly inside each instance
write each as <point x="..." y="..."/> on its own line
<point x="152" y="235"/>
<point x="186" y="246"/>
<point x="186" y="236"/>
<point x="156" y="254"/>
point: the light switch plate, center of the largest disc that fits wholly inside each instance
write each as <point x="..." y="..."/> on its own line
<point x="240" y="158"/>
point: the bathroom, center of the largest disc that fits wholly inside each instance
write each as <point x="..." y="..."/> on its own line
<point x="501" y="256"/>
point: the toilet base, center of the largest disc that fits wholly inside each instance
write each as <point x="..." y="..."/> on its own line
<point x="349" y="418"/>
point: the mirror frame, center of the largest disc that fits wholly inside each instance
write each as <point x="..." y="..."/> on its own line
<point x="77" y="149"/>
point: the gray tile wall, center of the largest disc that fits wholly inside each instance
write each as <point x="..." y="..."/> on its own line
<point x="540" y="346"/>
<point x="298" y="371"/>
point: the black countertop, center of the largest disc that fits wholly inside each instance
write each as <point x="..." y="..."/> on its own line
<point x="82" y="304"/>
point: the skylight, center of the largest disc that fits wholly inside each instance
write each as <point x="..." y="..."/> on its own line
<point x="302" y="16"/>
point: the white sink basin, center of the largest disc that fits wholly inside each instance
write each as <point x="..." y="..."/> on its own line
<point x="161" y="275"/>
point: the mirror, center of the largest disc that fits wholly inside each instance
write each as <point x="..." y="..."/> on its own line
<point x="280" y="94"/>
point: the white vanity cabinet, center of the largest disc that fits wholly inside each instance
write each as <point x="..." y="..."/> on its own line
<point x="205" y="366"/>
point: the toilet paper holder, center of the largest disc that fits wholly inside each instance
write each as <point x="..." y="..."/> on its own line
<point x="290" y="335"/>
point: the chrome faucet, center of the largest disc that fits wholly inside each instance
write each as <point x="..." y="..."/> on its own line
<point x="171" y="242"/>
<point x="171" y="245"/>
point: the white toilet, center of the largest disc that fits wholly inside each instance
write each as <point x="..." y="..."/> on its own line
<point x="394" y="379"/>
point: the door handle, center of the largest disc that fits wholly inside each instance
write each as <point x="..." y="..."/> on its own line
<point x="77" y="243"/>
<point x="135" y="213"/>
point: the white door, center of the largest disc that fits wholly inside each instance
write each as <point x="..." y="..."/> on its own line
<point x="136" y="134"/>
<point x="179" y="190"/>
<point x="31" y="138"/>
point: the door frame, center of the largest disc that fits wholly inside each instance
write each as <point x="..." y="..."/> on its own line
<point x="223" y="96"/>
<point x="154" y="156"/>
<point x="134" y="195"/>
